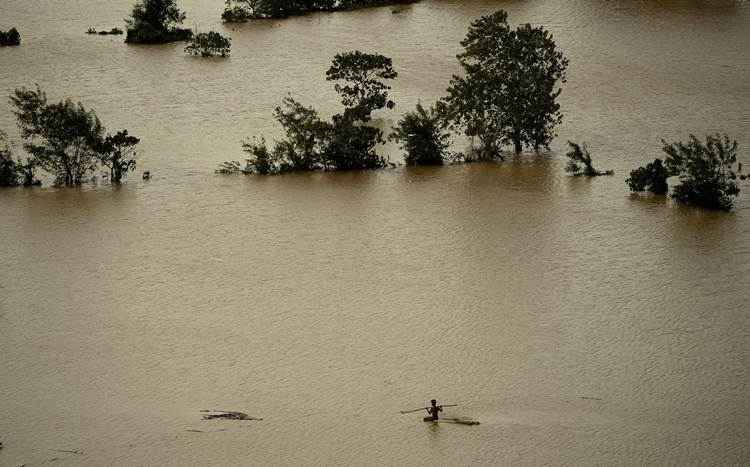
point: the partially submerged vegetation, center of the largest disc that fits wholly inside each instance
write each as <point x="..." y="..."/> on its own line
<point x="10" y="37"/>
<point x="346" y="142"/>
<point x="421" y="136"/>
<point x="708" y="172"/>
<point x="14" y="172"/>
<point x="156" y="22"/>
<point x="509" y="89"/>
<point x="507" y="95"/>
<point x="209" y="44"/>
<point x="237" y="11"/>
<point x="579" y="162"/>
<point x="68" y="141"/>
<point x="111" y="32"/>
<point x="652" y="177"/>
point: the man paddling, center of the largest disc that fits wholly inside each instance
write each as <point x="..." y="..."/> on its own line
<point x="434" y="409"/>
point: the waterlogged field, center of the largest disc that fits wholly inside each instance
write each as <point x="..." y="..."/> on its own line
<point x="578" y="324"/>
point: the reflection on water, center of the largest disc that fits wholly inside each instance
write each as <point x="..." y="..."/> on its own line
<point x="579" y="324"/>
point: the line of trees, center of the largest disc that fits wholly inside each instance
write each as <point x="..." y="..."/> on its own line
<point x="507" y="95"/>
<point x="237" y="11"/>
<point x="64" y="139"/>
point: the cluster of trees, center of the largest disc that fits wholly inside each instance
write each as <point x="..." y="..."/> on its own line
<point x="346" y="142"/>
<point x="64" y="139"/>
<point x="156" y="22"/>
<point x="209" y="44"/>
<point x="243" y="10"/>
<point x="708" y="172"/>
<point x="507" y="95"/>
<point x="10" y="37"/>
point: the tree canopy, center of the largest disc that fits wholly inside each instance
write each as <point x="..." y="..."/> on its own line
<point x="10" y="38"/>
<point x="510" y="85"/>
<point x="652" y="177"/>
<point x="706" y="171"/>
<point x="243" y="10"/>
<point x="67" y="140"/>
<point x="345" y="142"/>
<point x="156" y="21"/>
<point x="9" y="175"/>
<point x="209" y="44"/>
<point x="422" y="138"/>
<point x="363" y="76"/>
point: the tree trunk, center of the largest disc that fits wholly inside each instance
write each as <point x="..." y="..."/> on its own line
<point x="517" y="145"/>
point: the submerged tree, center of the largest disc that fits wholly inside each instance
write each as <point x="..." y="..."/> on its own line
<point x="652" y="177"/>
<point x="261" y="160"/>
<point x="9" y="173"/>
<point x="344" y="143"/>
<point x="155" y="22"/>
<point x="363" y="75"/>
<point x="10" y="38"/>
<point x="243" y="10"/>
<point x="579" y="161"/>
<point x="508" y="92"/>
<point x="706" y="171"/>
<point x="62" y="138"/>
<point x="117" y="152"/>
<point x="352" y="146"/>
<point x="67" y="140"/>
<point x="209" y="44"/>
<point x="422" y="137"/>
<point x="306" y="134"/>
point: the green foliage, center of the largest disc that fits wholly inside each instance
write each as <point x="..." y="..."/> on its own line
<point x="305" y="134"/>
<point x="510" y="86"/>
<point x="421" y="136"/>
<point x="209" y="44"/>
<point x="117" y="152"/>
<point x="111" y="32"/>
<point x="363" y="90"/>
<point x="579" y="162"/>
<point x="651" y="178"/>
<point x="261" y="160"/>
<point x="62" y="138"/>
<point x="9" y="174"/>
<point x="352" y="146"/>
<point x="706" y="171"/>
<point x="344" y="143"/>
<point x="155" y="22"/>
<point x="244" y="10"/>
<point x="237" y="11"/>
<point x="10" y="38"/>
<point x="67" y="140"/>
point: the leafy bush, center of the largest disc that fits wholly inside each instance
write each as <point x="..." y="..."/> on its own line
<point x="706" y="171"/>
<point x="422" y="137"/>
<point x="209" y="44"/>
<point x="651" y="178"/>
<point x="10" y="38"/>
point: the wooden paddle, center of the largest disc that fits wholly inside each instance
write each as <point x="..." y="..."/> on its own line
<point x="425" y="408"/>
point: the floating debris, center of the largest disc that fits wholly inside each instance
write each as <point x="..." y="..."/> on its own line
<point x="227" y="415"/>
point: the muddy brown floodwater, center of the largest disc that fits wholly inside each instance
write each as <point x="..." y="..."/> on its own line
<point x="579" y="325"/>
